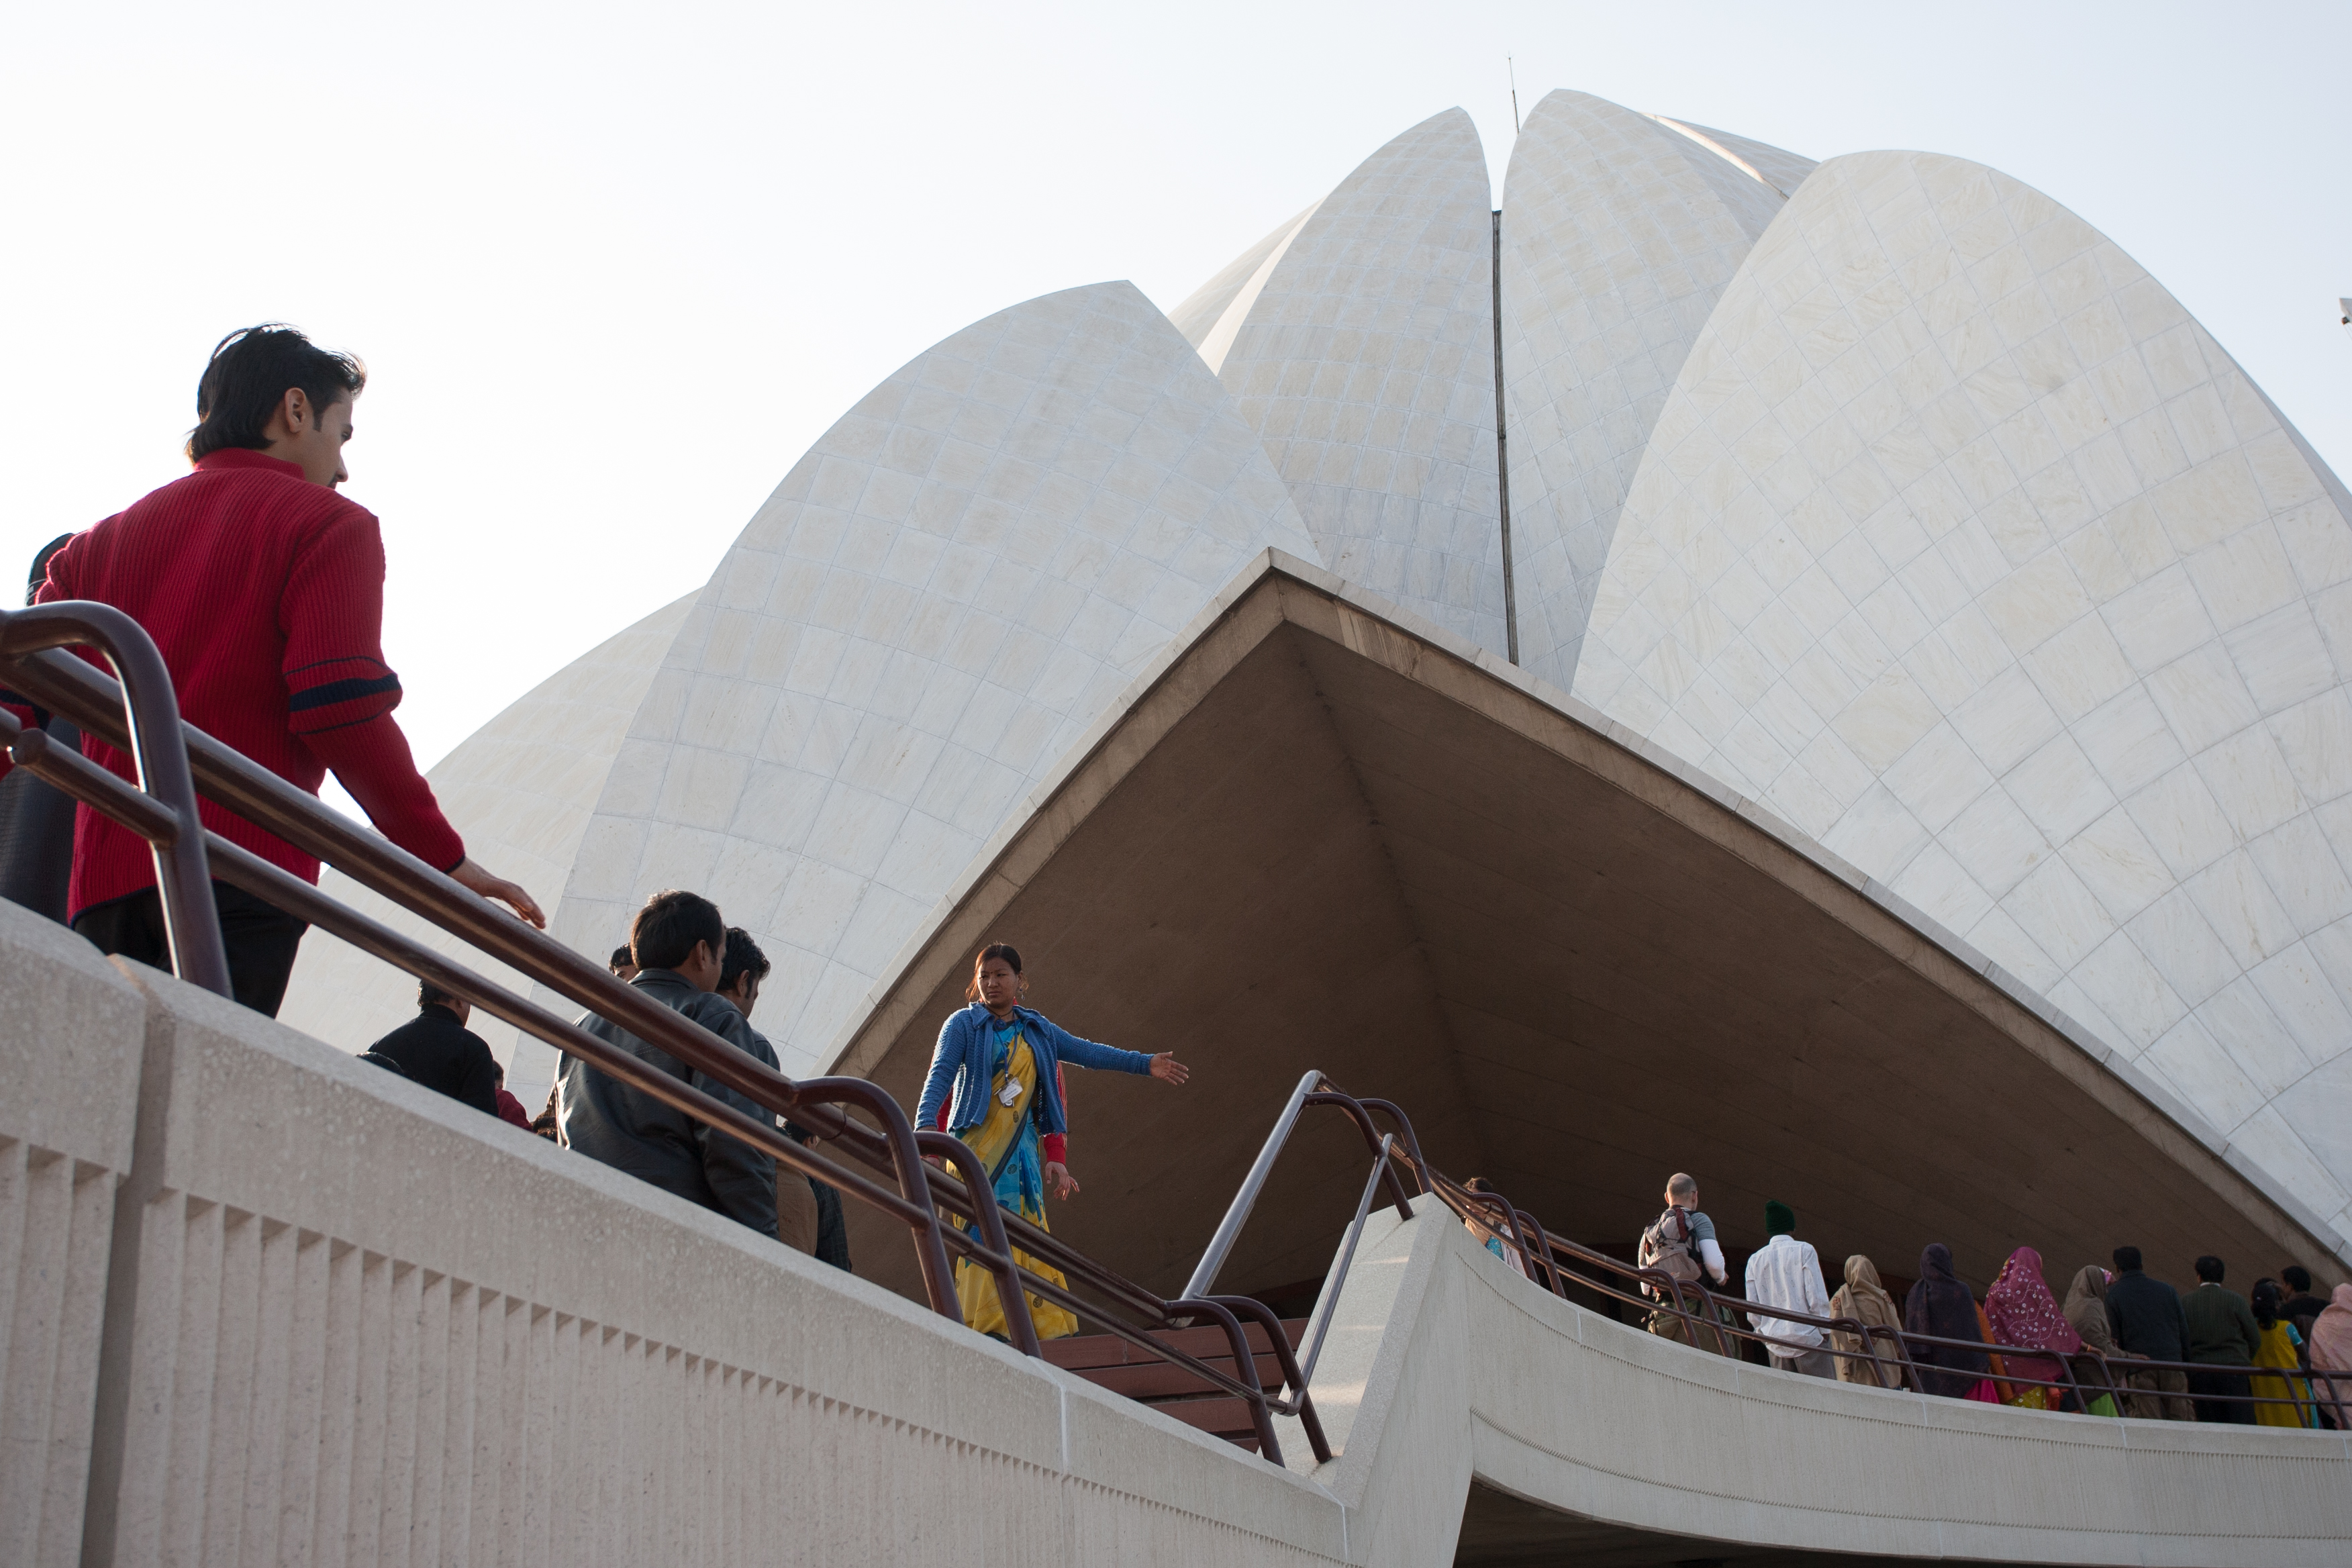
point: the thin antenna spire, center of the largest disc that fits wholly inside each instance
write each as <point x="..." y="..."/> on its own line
<point x="1512" y="66"/>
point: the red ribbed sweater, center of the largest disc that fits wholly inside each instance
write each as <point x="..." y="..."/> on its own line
<point x="265" y="592"/>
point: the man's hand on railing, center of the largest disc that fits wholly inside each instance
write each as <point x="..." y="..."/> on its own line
<point x="472" y="877"/>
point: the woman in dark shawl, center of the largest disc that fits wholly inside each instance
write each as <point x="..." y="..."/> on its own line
<point x="1941" y="1305"/>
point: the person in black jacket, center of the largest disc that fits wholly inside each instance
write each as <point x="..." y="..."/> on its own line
<point x="435" y="1048"/>
<point x="2146" y="1318"/>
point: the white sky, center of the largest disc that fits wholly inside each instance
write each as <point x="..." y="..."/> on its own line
<point x="613" y="269"/>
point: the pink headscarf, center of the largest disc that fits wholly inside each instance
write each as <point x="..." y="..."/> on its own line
<point x="2331" y="1332"/>
<point x="2022" y="1312"/>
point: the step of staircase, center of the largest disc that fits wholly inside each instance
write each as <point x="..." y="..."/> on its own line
<point x="1109" y="1361"/>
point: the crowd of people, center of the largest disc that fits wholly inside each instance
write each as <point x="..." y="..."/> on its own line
<point x="2249" y="1359"/>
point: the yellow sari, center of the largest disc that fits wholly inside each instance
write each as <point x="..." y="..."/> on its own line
<point x="2278" y="1350"/>
<point x="1006" y="1142"/>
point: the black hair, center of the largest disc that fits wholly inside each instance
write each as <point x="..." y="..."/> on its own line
<point x="742" y="953"/>
<point x="251" y="371"/>
<point x="41" y="564"/>
<point x="2266" y="1298"/>
<point x="621" y="956"/>
<point x="2127" y="1259"/>
<point x="2298" y="1278"/>
<point x="664" y="933"/>
<point x="431" y="996"/>
<point x="1003" y="950"/>
<point x="2209" y="1267"/>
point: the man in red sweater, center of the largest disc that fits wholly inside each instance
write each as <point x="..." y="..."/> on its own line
<point x="265" y="591"/>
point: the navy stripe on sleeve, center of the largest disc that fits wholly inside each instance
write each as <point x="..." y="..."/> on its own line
<point x="335" y="691"/>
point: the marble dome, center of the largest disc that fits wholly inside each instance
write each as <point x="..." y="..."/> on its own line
<point x="1883" y="492"/>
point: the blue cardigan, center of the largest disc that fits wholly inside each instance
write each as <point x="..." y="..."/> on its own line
<point x="961" y="1061"/>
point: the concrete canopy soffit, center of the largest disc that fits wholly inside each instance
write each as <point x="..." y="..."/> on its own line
<point x="1962" y="546"/>
<point x="1404" y="860"/>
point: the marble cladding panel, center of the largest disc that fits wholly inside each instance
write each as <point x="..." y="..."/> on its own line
<point x="1962" y="546"/>
<point x="1782" y="170"/>
<point x="1618" y="236"/>
<point x="1366" y="363"/>
<point x="941" y="599"/>
<point x="520" y="791"/>
<point x="1202" y="310"/>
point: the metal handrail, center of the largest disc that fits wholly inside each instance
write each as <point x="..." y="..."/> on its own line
<point x="73" y="687"/>
<point x="1329" y="1307"/>
<point x="147" y="720"/>
<point x="1314" y="1089"/>
<point x="140" y="716"/>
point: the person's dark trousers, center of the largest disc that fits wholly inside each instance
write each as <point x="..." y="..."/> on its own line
<point x="36" y="829"/>
<point x="832" y="1228"/>
<point x="262" y="940"/>
<point x="2207" y="1387"/>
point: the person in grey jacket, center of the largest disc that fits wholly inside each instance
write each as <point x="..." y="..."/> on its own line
<point x="680" y="942"/>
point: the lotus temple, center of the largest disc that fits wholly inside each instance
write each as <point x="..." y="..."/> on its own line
<point x="1823" y="675"/>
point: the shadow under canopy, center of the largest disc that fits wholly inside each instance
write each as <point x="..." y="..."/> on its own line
<point x="1321" y="839"/>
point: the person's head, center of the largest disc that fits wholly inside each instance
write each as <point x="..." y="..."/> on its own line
<point x="2266" y="1298"/>
<point x="271" y="389"/>
<point x="622" y="964"/>
<point x="431" y="996"/>
<point x="741" y="969"/>
<point x="2297" y="1278"/>
<point x="2127" y="1259"/>
<point x="41" y="564"/>
<point x="1936" y="1261"/>
<point x="996" y="983"/>
<point x="1682" y="1191"/>
<point x="2209" y="1270"/>
<point x="1780" y="1219"/>
<point x="682" y="932"/>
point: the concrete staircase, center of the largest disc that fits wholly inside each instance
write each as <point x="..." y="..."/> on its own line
<point x="1110" y="1363"/>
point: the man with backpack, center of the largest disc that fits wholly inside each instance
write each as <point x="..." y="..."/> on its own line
<point x="1682" y="1246"/>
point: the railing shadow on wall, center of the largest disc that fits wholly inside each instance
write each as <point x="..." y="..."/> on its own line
<point x="884" y="1160"/>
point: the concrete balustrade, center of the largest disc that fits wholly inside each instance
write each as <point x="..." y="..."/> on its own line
<point x="348" y="1320"/>
<point x="268" y="1303"/>
<point x="1445" y="1369"/>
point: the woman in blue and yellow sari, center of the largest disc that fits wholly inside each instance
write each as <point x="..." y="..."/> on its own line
<point x="998" y="1073"/>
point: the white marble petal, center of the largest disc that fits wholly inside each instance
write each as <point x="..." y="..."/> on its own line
<point x="520" y="791"/>
<point x="941" y="599"/>
<point x="1947" y="476"/>
<point x="1619" y="234"/>
<point x="1366" y="363"/>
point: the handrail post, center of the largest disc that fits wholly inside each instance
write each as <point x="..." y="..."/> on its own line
<point x="914" y="1180"/>
<point x="1022" y="1328"/>
<point x="151" y="713"/>
<point x="1302" y="1404"/>
<point x="1245" y="1369"/>
<point x="1237" y="1213"/>
<point x="1329" y="1308"/>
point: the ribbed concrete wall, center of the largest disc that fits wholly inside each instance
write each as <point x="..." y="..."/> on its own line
<point x="69" y="1062"/>
<point x="347" y="1320"/>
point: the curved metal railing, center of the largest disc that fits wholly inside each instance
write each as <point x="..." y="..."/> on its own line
<point x="176" y="763"/>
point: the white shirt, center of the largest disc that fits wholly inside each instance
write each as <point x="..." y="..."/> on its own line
<point x="1787" y="1273"/>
